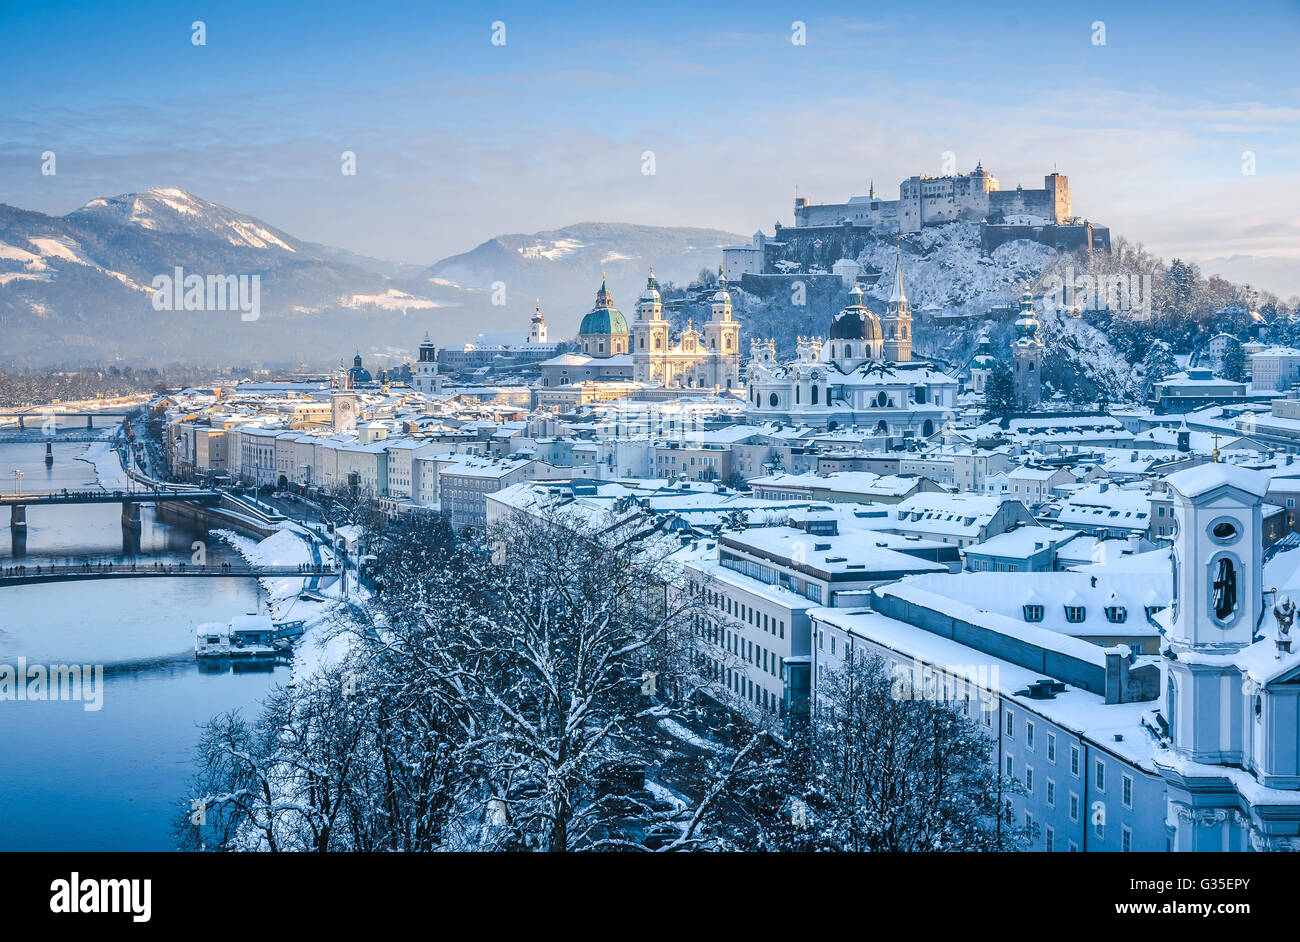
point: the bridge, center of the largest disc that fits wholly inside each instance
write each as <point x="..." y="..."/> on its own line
<point x="45" y="415"/>
<point x="73" y="572"/>
<point x="129" y="499"/>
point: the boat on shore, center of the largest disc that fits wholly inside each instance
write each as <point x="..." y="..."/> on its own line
<point x="247" y="636"/>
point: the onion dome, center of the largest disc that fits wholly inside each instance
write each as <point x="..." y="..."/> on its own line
<point x="1026" y="322"/>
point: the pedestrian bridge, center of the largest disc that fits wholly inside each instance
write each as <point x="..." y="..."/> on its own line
<point x="135" y="496"/>
<point x="79" y="572"/>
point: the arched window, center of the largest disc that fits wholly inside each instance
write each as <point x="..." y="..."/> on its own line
<point x="814" y="392"/>
<point x="773" y="400"/>
<point x="796" y="394"/>
<point x="882" y="426"/>
<point x="882" y="400"/>
<point x="927" y="429"/>
<point x="1225" y="589"/>
<point x="919" y="394"/>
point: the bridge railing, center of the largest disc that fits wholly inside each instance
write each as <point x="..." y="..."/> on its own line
<point x="22" y="570"/>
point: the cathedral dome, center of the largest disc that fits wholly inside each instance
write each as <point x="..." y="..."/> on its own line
<point x="604" y="320"/>
<point x="855" y="322"/>
<point x="604" y="317"/>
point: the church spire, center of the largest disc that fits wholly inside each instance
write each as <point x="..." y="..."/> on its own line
<point x="899" y="296"/>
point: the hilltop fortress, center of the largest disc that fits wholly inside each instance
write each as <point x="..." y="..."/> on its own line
<point x="1042" y="215"/>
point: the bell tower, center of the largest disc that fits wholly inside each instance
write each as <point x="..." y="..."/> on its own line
<point x="897" y="322"/>
<point x="1218" y="597"/>
<point x="649" y="334"/>
<point x="722" y="338"/>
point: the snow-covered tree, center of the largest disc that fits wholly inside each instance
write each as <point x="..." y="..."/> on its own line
<point x="1234" y="361"/>
<point x="999" y="391"/>
<point x="1156" y="365"/>
<point x="895" y="772"/>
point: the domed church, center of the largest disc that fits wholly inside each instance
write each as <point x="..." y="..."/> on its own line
<point x="862" y="375"/>
<point x="603" y="332"/>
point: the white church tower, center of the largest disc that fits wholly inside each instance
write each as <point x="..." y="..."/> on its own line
<point x="1230" y="717"/>
<point x="426" y="378"/>
<point x="537" y="329"/>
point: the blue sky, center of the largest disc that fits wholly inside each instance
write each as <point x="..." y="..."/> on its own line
<point x="458" y="140"/>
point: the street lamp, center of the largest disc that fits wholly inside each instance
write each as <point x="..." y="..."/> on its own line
<point x="18" y="483"/>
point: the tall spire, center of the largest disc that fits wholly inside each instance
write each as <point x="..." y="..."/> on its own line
<point x="899" y="294"/>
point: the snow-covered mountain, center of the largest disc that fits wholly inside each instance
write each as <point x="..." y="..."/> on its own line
<point x="563" y="267"/>
<point x="79" y="288"/>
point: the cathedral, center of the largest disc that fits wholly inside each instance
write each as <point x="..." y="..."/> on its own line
<point x="862" y="375"/>
<point x="647" y="352"/>
<point x="708" y="360"/>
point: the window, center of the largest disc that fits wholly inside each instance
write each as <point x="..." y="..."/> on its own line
<point x="1029" y="779"/>
<point x="1074" y="761"/>
<point x="1010" y="768"/>
<point x="1125" y="838"/>
<point x="1074" y="807"/>
<point x="1074" y="613"/>
<point x="1051" y="794"/>
<point x="1099" y="776"/>
<point x="1033" y="613"/>
<point x="1029" y="735"/>
<point x="1126" y="790"/>
<point x="1116" y="614"/>
<point x="1225" y="589"/>
<point x="1051" y="747"/>
<point x="1011" y="726"/>
<point x="1049" y="839"/>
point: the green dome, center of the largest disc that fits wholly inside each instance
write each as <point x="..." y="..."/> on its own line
<point x="604" y="317"/>
<point x="604" y="320"/>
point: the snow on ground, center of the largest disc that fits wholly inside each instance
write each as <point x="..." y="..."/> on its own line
<point x="108" y="467"/>
<point x="61" y="248"/>
<point x="320" y="647"/>
<point x="391" y="300"/>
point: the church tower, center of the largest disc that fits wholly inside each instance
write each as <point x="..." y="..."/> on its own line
<point x="649" y="334"/>
<point x="1027" y="356"/>
<point x="981" y="365"/>
<point x="897" y="322"/>
<point x="722" y="339"/>
<point x="426" y="378"/>
<point x="537" y="329"/>
<point x="1212" y="710"/>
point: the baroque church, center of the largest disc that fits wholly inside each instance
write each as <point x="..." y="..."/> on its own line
<point x="862" y="375"/>
<point x="647" y="352"/>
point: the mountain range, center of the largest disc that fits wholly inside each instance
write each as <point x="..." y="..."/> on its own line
<point x="80" y="288"/>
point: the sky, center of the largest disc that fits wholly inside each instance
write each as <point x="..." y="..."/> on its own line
<point x="1180" y="131"/>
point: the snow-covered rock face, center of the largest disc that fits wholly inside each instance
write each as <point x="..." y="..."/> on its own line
<point x="173" y="210"/>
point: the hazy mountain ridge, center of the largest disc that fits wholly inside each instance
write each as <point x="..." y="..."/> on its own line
<point x="78" y="288"/>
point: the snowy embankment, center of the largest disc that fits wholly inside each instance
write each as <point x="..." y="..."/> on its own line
<point x="108" y="467"/>
<point x="321" y="645"/>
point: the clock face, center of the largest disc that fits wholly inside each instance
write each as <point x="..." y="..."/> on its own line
<point x="344" y="406"/>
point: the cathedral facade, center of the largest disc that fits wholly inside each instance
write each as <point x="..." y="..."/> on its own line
<point x="862" y="375"/>
<point x="647" y="352"/>
<point x="708" y="359"/>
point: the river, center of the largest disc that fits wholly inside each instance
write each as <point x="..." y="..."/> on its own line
<point x="112" y="778"/>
